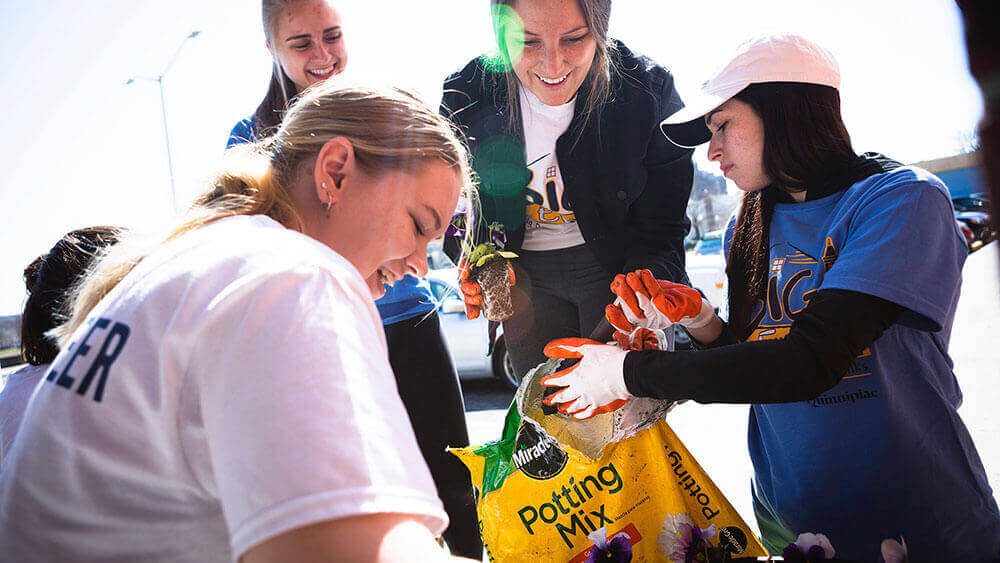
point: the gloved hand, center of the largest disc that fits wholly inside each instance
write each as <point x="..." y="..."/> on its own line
<point x="593" y="386"/>
<point x="472" y="293"/>
<point x="631" y="337"/>
<point x="647" y="302"/>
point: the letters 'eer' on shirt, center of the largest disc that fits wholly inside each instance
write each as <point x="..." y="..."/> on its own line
<point x="232" y="387"/>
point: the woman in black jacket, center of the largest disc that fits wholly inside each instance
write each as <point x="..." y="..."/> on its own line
<point x="563" y="129"/>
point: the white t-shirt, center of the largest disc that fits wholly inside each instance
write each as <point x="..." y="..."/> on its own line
<point x="17" y="390"/>
<point x="550" y="222"/>
<point x="234" y="386"/>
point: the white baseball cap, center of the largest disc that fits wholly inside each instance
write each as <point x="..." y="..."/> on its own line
<point x="768" y="58"/>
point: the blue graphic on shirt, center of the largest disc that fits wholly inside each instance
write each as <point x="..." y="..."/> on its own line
<point x="793" y="278"/>
<point x="883" y="453"/>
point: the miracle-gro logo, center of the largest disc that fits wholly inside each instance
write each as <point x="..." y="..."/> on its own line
<point x="566" y="511"/>
<point x="536" y="454"/>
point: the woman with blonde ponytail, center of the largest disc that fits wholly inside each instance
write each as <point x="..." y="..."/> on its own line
<point x="306" y="41"/>
<point x="224" y="390"/>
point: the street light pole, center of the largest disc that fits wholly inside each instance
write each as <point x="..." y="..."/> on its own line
<point x="163" y="110"/>
<point x="166" y="137"/>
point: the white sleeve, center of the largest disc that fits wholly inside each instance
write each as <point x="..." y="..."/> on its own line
<point x="302" y="417"/>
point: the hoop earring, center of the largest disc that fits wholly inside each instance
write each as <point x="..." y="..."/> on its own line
<point x="329" y="199"/>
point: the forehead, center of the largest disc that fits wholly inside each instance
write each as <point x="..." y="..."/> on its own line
<point x="559" y="16"/>
<point x="438" y="183"/>
<point x="730" y="107"/>
<point x="306" y="16"/>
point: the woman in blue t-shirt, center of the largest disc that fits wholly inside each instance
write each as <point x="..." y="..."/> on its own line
<point x="844" y="273"/>
<point x="305" y="39"/>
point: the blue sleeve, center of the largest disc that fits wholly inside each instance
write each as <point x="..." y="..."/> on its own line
<point x="242" y="133"/>
<point x="903" y="245"/>
<point x="405" y="299"/>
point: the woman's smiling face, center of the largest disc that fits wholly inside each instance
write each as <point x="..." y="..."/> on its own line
<point x="558" y="49"/>
<point x="308" y="42"/>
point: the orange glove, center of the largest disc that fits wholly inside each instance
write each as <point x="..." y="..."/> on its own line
<point x="646" y="302"/>
<point x="635" y="338"/>
<point x="472" y="293"/>
<point x="593" y="386"/>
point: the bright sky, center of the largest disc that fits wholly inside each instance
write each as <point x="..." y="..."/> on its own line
<point x="81" y="148"/>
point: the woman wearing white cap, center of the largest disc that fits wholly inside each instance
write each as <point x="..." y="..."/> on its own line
<point x="844" y="272"/>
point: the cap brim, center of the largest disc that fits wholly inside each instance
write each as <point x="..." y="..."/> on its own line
<point x="687" y="128"/>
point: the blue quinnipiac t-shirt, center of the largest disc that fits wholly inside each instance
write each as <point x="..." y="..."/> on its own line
<point x="884" y="453"/>
<point x="407" y="298"/>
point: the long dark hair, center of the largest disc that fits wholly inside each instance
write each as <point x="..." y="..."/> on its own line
<point x="805" y="144"/>
<point x="50" y="279"/>
<point x="281" y="90"/>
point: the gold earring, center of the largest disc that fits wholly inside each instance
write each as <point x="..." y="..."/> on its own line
<point x="329" y="199"/>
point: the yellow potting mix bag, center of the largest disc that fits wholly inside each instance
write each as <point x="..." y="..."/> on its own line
<point x="541" y="500"/>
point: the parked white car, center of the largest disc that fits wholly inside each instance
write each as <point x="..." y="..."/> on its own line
<point x="468" y="340"/>
<point x="706" y="268"/>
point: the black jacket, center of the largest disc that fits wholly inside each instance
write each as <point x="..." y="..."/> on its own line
<point x="627" y="184"/>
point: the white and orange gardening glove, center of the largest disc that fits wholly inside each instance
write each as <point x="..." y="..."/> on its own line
<point x="472" y="293"/>
<point x="646" y="302"/>
<point x="595" y="385"/>
<point x="631" y="337"/>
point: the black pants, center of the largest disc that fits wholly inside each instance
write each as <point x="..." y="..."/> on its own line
<point x="428" y="385"/>
<point x="559" y="293"/>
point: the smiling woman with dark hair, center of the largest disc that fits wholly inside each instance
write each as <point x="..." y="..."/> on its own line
<point x="306" y="41"/>
<point x="844" y="273"/>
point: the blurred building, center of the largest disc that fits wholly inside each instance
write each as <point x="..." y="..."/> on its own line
<point x="10" y="341"/>
<point x="962" y="173"/>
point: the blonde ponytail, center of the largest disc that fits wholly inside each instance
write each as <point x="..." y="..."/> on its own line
<point x="389" y="129"/>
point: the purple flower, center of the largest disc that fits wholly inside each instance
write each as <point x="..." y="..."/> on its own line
<point x="499" y="239"/>
<point x="497" y="235"/>
<point x="809" y="548"/>
<point x="679" y="534"/>
<point x="618" y="549"/>
<point x="457" y="226"/>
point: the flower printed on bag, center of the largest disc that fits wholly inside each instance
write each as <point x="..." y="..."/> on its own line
<point x="618" y="549"/>
<point x="680" y="534"/>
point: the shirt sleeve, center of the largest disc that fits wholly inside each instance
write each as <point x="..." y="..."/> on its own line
<point x="658" y="221"/>
<point x="243" y="132"/>
<point x="826" y="336"/>
<point x="903" y="245"/>
<point x="300" y="409"/>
